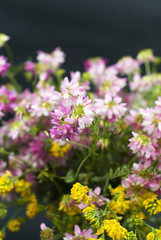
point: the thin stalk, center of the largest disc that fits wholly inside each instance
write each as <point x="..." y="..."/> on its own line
<point x="14" y="82"/>
<point x="78" y="144"/>
<point x="147" y="68"/>
<point x="81" y="164"/>
<point x="107" y="205"/>
<point x="9" y="53"/>
<point x="12" y="217"/>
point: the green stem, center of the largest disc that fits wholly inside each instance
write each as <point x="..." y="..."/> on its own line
<point x="14" y="82"/>
<point x="153" y="163"/>
<point x="81" y="164"/>
<point x="147" y="68"/>
<point x="58" y="187"/>
<point x="78" y="144"/>
<point x="154" y="68"/>
<point x="133" y="160"/>
<point x="12" y="217"/>
<point x="129" y="76"/>
<point x="9" y="53"/>
<point x="107" y="205"/>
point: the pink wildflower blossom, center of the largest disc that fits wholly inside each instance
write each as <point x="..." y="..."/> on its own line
<point x="30" y="67"/>
<point x="141" y="144"/>
<point x="4" y="65"/>
<point x="71" y="89"/>
<point x="64" y="127"/>
<point x="46" y="232"/>
<point x="85" y="234"/>
<point x="110" y="108"/>
<point x="127" y="65"/>
<point x="95" y="199"/>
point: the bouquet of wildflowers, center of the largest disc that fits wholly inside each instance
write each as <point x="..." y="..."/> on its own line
<point x="84" y="149"/>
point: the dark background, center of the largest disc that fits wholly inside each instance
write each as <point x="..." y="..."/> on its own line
<point x="82" y="28"/>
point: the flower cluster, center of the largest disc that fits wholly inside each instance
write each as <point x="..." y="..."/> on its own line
<point x="85" y="149"/>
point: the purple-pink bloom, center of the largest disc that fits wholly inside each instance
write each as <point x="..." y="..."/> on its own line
<point x="110" y="108"/>
<point x="30" y="67"/>
<point x="46" y="232"/>
<point x="64" y="127"/>
<point x="4" y="65"/>
<point x="141" y="144"/>
<point x="95" y="199"/>
<point x="127" y="65"/>
<point x="71" y="88"/>
<point x="78" y="235"/>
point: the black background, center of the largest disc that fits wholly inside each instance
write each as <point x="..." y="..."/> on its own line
<point x="82" y="28"/>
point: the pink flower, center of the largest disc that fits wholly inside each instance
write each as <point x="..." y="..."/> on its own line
<point x="96" y="68"/>
<point x="84" y="235"/>
<point x="64" y="127"/>
<point x="111" y="85"/>
<point x="4" y="65"/>
<point x="83" y="112"/>
<point x="134" y="183"/>
<point x="94" y="199"/>
<point x="30" y="67"/>
<point x="37" y="147"/>
<point x="7" y="99"/>
<point x="46" y="232"/>
<point x="127" y="65"/>
<point x="71" y="118"/>
<point x="89" y="63"/>
<point x="53" y="60"/>
<point x="110" y="108"/>
<point x="141" y="144"/>
<point x="135" y="118"/>
<point x="152" y="121"/>
<point x="72" y="89"/>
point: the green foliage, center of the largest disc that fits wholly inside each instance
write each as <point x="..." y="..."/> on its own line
<point x="4" y="154"/>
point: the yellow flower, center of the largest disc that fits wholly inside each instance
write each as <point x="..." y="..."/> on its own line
<point x="146" y="196"/>
<point x="90" y="213"/>
<point x="120" y="205"/>
<point x="69" y="205"/>
<point x="79" y="193"/>
<point x="23" y="187"/>
<point x="14" y="225"/>
<point x="59" y="151"/>
<point x="114" y="229"/>
<point x="153" y="206"/>
<point x="32" y="208"/>
<point x="140" y="215"/>
<point x="2" y="235"/>
<point x="150" y="236"/>
<point x="6" y="183"/>
<point x="119" y="190"/>
<point x="153" y="236"/>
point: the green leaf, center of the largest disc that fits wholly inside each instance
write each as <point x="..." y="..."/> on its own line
<point x="69" y="177"/>
<point x="3" y="213"/>
<point x="4" y="154"/>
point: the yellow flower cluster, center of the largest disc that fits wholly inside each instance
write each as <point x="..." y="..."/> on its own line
<point x="6" y="183"/>
<point x="32" y="208"/>
<point x="90" y="214"/>
<point x="152" y="236"/>
<point x="2" y="235"/>
<point x="119" y="204"/>
<point x="114" y="229"/>
<point x="120" y="190"/>
<point x="14" y="225"/>
<point x="79" y="193"/>
<point x="153" y="205"/>
<point x="59" y="151"/>
<point x="69" y="206"/>
<point x="23" y="187"/>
